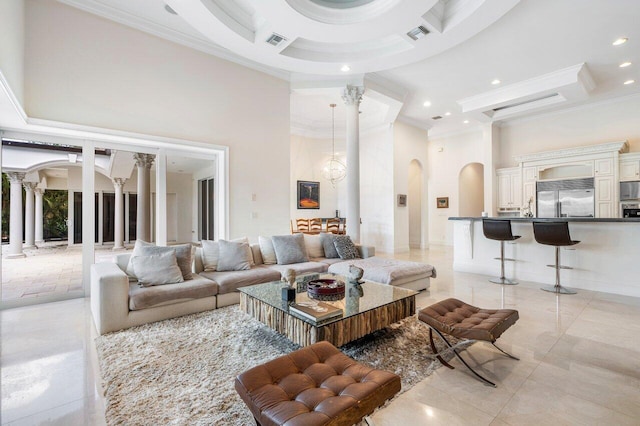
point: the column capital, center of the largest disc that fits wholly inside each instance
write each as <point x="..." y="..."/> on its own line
<point x="144" y="160"/>
<point x="39" y="191"/>
<point x="118" y="182"/>
<point x="16" y="177"/>
<point x="352" y="95"/>
<point x="29" y="186"/>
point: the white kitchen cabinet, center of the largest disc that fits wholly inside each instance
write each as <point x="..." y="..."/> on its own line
<point x="605" y="196"/>
<point x="603" y="167"/>
<point x="509" y="188"/>
<point x="629" y="170"/>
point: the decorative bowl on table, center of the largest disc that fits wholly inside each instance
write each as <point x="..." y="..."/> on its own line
<point x="326" y="289"/>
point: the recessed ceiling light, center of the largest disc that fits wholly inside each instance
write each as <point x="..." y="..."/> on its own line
<point x="447" y="113"/>
<point x="624" y="64"/>
<point x="495" y="81"/>
<point x="345" y="68"/>
<point x="426" y="104"/>
<point x="466" y="121"/>
<point x="629" y="82"/>
<point x="621" y="40"/>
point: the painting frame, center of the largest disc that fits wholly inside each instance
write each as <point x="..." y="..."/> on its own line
<point x="402" y="200"/>
<point x="308" y="195"/>
<point x="442" y="202"/>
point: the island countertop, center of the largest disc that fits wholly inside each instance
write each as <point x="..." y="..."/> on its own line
<point x="555" y="219"/>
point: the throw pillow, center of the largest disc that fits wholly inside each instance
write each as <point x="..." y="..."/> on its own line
<point x="211" y="253"/>
<point x="314" y="245"/>
<point x="267" y="250"/>
<point x="234" y="256"/>
<point x="184" y="257"/>
<point x="345" y="247"/>
<point x="136" y="252"/>
<point x="327" y="244"/>
<point x="290" y="249"/>
<point x="157" y="269"/>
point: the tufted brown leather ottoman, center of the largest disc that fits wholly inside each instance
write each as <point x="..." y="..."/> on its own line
<point x="315" y="385"/>
<point x="464" y="321"/>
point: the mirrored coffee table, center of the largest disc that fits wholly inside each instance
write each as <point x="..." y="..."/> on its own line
<point x="366" y="307"/>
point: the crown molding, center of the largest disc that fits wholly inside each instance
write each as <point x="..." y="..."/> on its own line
<point x="11" y="97"/>
<point x="413" y="122"/>
<point x="172" y="35"/>
<point x="620" y="147"/>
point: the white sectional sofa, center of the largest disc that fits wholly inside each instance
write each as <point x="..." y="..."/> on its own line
<point x="118" y="303"/>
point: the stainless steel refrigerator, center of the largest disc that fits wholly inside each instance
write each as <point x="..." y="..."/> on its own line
<point x="566" y="198"/>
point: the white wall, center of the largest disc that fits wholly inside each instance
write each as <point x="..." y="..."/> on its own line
<point x="447" y="156"/>
<point x="409" y="143"/>
<point x="414" y="204"/>
<point x="83" y="69"/>
<point x="308" y="157"/>
<point x="610" y="121"/>
<point x="12" y="44"/>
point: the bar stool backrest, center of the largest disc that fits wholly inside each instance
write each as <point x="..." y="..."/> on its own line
<point x="497" y="230"/>
<point x="553" y="233"/>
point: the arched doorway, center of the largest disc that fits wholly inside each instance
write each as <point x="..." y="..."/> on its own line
<point x="471" y="190"/>
<point x="415" y="204"/>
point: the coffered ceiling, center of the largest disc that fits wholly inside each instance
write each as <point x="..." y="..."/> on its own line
<point x="541" y="55"/>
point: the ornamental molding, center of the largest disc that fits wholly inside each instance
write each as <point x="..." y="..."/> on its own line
<point x="352" y="95"/>
<point x="610" y="147"/>
<point x="144" y="160"/>
<point x="119" y="182"/>
<point x="29" y="186"/>
<point x="16" y="177"/>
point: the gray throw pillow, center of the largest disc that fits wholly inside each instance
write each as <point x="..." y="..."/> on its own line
<point x="345" y="247"/>
<point x="330" y="251"/>
<point x="157" y="269"/>
<point x="234" y="256"/>
<point x="136" y="252"/>
<point x="184" y="257"/>
<point x="183" y="254"/>
<point x="290" y="249"/>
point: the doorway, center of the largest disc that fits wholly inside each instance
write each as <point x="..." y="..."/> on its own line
<point x="415" y="203"/>
<point x="471" y="190"/>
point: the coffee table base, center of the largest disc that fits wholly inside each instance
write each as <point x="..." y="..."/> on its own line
<point x="337" y="333"/>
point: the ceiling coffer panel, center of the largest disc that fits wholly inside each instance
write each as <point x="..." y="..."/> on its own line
<point x="310" y="50"/>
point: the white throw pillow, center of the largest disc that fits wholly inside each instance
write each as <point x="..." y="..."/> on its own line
<point x="211" y="253"/>
<point x="290" y="249"/>
<point x="137" y="248"/>
<point x="314" y="245"/>
<point x="234" y="256"/>
<point x="267" y="250"/>
<point x="157" y="269"/>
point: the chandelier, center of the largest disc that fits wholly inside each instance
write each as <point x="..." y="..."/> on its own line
<point x="334" y="170"/>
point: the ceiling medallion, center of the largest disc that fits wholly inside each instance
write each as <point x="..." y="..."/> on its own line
<point x="334" y="170"/>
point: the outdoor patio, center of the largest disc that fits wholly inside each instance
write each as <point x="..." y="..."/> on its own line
<point x="53" y="268"/>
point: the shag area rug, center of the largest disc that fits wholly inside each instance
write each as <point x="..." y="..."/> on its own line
<point x="182" y="371"/>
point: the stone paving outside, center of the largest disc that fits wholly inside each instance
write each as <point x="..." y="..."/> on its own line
<point x="53" y="267"/>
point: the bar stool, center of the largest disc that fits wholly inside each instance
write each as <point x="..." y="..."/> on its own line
<point x="555" y="234"/>
<point x="499" y="230"/>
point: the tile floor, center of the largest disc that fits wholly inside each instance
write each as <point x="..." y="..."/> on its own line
<point x="579" y="361"/>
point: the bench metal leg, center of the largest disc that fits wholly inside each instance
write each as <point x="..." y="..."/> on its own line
<point x="446" y="364"/>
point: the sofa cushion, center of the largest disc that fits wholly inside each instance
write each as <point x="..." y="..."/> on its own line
<point x="157" y="269"/>
<point x="230" y="281"/>
<point x="345" y="247"/>
<point x="302" y="268"/>
<point x="211" y="253"/>
<point x="290" y="249"/>
<point x="267" y="251"/>
<point x="330" y="251"/>
<point x="385" y="271"/>
<point x="149" y="297"/>
<point x="313" y="243"/>
<point x="183" y="252"/>
<point x="326" y="261"/>
<point x="234" y="256"/>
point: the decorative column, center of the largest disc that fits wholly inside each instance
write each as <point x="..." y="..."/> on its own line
<point x="29" y="214"/>
<point x="118" y="237"/>
<point x="143" y="225"/>
<point x="352" y="97"/>
<point x="15" y="215"/>
<point x="39" y="192"/>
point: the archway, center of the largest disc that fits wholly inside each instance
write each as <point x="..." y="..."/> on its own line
<point x="471" y="190"/>
<point x="415" y="205"/>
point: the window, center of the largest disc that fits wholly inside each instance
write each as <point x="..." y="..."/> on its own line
<point x="206" y="209"/>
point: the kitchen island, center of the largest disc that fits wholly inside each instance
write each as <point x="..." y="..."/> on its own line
<point x="607" y="258"/>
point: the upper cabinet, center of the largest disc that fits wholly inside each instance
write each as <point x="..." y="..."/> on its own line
<point x="509" y="188"/>
<point x="629" y="167"/>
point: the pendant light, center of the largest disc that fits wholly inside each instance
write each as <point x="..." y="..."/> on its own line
<point x="334" y="170"/>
